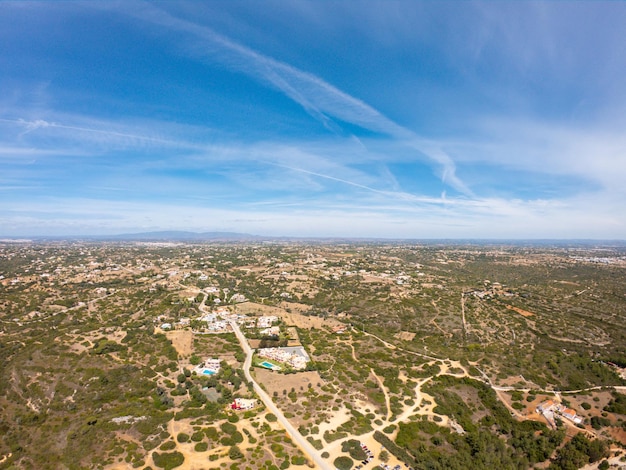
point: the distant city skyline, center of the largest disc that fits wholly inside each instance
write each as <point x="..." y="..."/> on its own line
<point x="373" y="119"/>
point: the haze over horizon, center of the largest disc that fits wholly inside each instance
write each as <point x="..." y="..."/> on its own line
<point x="314" y="119"/>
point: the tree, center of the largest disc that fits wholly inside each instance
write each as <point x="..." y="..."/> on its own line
<point x="343" y="463"/>
<point x="169" y="460"/>
<point x="235" y="453"/>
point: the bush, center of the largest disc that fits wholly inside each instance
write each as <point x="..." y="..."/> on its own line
<point x="169" y="445"/>
<point x="343" y="463"/>
<point x="617" y="404"/>
<point x="271" y="417"/>
<point x="598" y="422"/>
<point x="353" y="447"/>
<point x="235" y="453"/>
<point x="169" y="460"/>
<point x="201" y="447"/>
<point x="389" y="429"/>
<point x="228" y="428"/>
<point x="182" y="437"/>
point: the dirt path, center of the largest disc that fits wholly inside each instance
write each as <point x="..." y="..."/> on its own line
<point x="434" y="323"/>
<point x="463" y="315"/>
<point x="353" y="352"/>
<point x="509" y="407"/>
<point x="419" y="397"/>
<point x="384" y="389"/>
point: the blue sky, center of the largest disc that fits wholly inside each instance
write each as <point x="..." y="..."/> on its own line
<point x="384" y="119"/>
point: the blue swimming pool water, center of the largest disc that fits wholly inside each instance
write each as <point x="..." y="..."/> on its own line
<point x="208" y="372"/>
<point x="268" y="365"/>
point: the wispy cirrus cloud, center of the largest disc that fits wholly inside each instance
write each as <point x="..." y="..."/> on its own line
<point x="270" y="164"/>
<point x="506" y="219"/>
<point x="103" y="131"/>
<point x="318" y="98"/>
<point x="286" y="168"/>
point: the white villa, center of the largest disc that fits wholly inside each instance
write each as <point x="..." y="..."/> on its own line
<point x="549" y="406"/>
<point x="209" y="367"/>
<point x="295" y="360"/>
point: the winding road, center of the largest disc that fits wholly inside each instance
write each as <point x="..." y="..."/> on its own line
<point x="298" y="438"/>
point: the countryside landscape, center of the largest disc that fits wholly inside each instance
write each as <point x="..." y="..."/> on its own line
<point x="257" y="354"/>
<point x="312" y="235"/>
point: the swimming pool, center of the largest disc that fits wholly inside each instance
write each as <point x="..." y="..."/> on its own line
<point x="269" y="365"/>
<point x="208" y="372"/>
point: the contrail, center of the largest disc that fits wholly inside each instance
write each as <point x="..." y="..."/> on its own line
<point x="317" y="97"/>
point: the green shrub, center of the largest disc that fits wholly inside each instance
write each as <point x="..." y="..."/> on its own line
<point x="168" y="445"/>
<point x="343" y="463"/>
<point x="235" y="453"/>
<point x="169" y="460"/>
<point x="201" y="447"/>
<point x="353" y="447"/>
<point x="197" y="436"/>
<point x="389" y="429"/>
<point x="228" y="428"/>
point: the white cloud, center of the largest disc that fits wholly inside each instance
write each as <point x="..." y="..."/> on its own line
<point x="317" y="97"/>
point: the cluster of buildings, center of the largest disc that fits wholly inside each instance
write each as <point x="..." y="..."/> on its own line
<point x="266" y="321"/>
<point x="492" y="289"/>
<point x="549" y="407"/>
<point x="214" y="323"/>
<point x="181" y="323"/>
<point x="271" y="331"/>
<point x="296" y="357"/>
<point x="265" y="324"/>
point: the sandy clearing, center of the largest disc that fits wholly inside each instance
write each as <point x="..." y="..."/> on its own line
<point x="334" y="449"/>
<point x="524" y="313"/>
<point x="405" y="336"/>
<point x="182" y="340"/>
<point x="339" y="417"/>
<point x="277" y="382"/>
<point x="193" y="460"/>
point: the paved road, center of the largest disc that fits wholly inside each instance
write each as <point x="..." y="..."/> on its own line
<point x="305" y="445"/>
